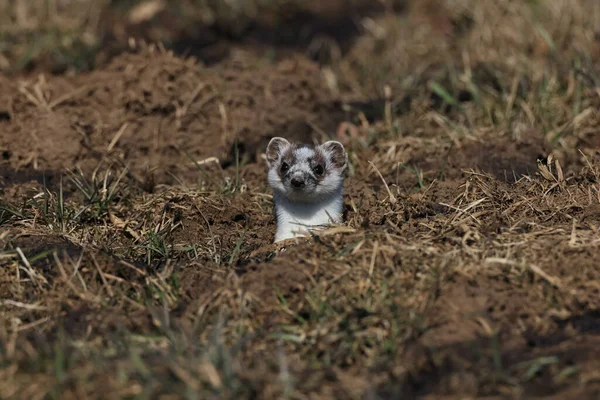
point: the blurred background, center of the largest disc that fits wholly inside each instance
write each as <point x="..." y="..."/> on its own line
<point x="75" y="35"/>
<point x="374" y="37"/>
<point x="405" y="37"/>
<point x="519" y="66"/>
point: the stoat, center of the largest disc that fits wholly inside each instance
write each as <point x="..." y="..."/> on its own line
<point x="307" y="183"/>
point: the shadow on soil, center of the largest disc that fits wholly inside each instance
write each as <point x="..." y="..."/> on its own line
<point x="10" y="176"/>
<point x="544" y="362"/>
<point x="323" y="33"/>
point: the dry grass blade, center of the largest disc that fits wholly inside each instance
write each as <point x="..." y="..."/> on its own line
<point x="81" y="293"/>
<point x="116" y="138"/>
<point x="66" y="97"/>
<point x="35" y="277"/>
<point x="9" y="302"/>
<point x="391" y="197"/>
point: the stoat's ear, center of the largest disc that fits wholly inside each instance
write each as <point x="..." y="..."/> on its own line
<point x="336" y="153"/>
<point x="275" y="148"/>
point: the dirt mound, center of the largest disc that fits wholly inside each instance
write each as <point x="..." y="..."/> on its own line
<point x="467" y="264"/>
<point x="154" y="111"/>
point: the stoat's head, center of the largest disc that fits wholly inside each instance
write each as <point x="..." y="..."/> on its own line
<point x="304" y="173"/>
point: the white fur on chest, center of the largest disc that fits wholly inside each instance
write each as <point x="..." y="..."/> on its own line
<point x="295" y="219"/>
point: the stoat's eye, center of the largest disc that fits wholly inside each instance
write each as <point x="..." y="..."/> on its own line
<point x="318" y="169"/>
<point x="284" y="167"/>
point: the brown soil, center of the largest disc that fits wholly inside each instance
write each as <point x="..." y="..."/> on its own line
<point x="161" y="112"/>
<point x="474" y="273"/>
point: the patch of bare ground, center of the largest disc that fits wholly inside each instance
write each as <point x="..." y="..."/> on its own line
<point x="158" y="114"/>
<point x="133" y="264"/>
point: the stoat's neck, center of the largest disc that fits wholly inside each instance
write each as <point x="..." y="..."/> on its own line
<point x="308" y="210"/>
<point x="295" y="216"/>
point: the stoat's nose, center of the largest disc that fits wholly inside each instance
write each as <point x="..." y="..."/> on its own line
<point x="298" y="183"/>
